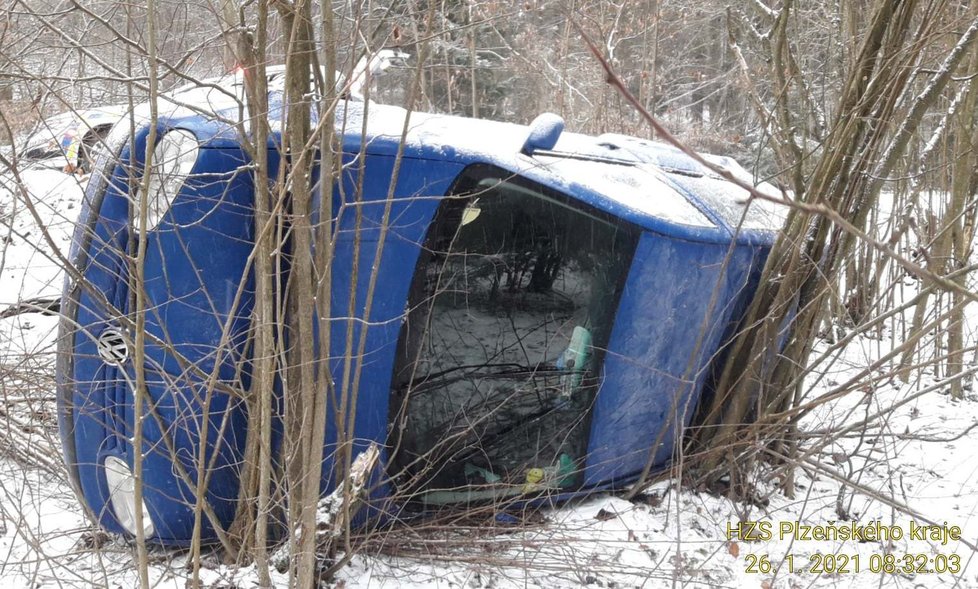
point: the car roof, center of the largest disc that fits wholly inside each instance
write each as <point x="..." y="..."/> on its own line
<point x="649" y="183"/>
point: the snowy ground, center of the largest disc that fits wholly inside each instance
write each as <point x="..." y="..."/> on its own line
<point x="917" y="465"/>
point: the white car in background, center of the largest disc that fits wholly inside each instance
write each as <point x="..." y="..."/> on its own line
<point x="69" y="140"/>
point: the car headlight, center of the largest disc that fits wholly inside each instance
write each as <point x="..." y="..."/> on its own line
<point x="173" y="160"/>
<point x="122" y="496"/>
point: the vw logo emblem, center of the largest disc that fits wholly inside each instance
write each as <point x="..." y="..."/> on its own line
<point x="112" y="347"/>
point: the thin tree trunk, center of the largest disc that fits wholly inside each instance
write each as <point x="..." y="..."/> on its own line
<point x="961" y="190"/>
<point x="250" y="526"/>
<point x="304" y="445"/>
<point x="139" y="347"/>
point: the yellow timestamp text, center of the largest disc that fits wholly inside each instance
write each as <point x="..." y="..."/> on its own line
<point x="842" y="564"/>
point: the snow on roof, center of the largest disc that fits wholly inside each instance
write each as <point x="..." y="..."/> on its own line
<point x="651" y="181"/>
<point x="649" y="178"/>
<point x="629" y="186"/>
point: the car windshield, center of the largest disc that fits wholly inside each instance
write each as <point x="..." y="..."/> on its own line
<point x="512" y="303"/>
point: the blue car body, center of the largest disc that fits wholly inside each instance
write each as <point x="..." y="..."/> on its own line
<point x="687" y="252"/>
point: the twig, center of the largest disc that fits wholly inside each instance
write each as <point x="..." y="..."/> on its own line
<point x="42" y="305"/>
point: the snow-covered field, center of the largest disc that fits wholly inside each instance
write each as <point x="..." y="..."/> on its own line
<point x="915" y="466"/>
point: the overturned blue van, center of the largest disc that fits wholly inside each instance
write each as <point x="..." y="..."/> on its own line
<point x="547" y="312"/>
